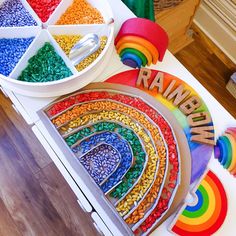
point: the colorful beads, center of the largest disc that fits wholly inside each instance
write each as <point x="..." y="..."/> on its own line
<point x="148" y="188"/>
<point x="151" y="168"/>
<point x="80" y="12"/>
<point x="66" y="42"/>
<point x="140" y="41"/>
<point x="101" y="162"/>
<point x="44" y="8"/>
<point x="134" y="173"/>
<point x="14" y="14"/>
<point x="122" y="148"/>
<point x="11" y="51"/>
<point x="100" y="105"/>
<point x="105" y="116"/>
<point x="225" y="150"/>
<point x="128" y="135"/>
<point x="78" y="135"/>
<point x="151" y="197"/>
<point x="45" y="66"/>
<point x="207" y="213"/>
<point x="161" y="206"/>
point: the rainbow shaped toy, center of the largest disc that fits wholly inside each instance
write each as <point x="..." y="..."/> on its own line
<point x="225" y="150"/>
<point x="206" y="215"/>
<point x="141" y="42"/>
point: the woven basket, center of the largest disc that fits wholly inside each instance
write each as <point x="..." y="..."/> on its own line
<point x="164" y="4"/>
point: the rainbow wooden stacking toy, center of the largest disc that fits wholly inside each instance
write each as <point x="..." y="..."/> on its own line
<point x="225" y="150"/>
<point x="141" y="42"/>
<point x="205" y="215"/>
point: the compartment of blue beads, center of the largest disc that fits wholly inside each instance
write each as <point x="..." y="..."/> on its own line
<point x="18" y="28"/>
<point x="11" y="50"/>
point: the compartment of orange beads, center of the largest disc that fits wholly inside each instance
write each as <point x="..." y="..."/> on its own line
<point x="80" y="12"/>
<point x="77" y="12"/>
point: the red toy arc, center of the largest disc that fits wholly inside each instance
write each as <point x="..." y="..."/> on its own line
<point x="146" y="29"/>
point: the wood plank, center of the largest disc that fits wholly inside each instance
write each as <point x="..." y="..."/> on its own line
<point x="65" y="202"/>
<point x="211" y="72"/>
<point x="7" y="225"/>
<point x="23" y="137"/>
<point x="180" y="43"/>
<point x="201" y="37"/>
<point x="22" y="195"/>
<point x="169" y="11"/>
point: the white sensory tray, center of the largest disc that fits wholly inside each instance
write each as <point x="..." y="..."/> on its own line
<point x="43" y="33"/>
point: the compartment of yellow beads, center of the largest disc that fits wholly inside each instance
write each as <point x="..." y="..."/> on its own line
<point x="66" y="42"/>
<point x="68" y="36"/>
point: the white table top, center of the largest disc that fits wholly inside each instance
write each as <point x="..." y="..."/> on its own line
<point x="170" y="64"/>
<point x="28" y="106"/>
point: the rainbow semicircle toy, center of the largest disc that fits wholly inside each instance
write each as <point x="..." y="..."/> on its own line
<point x="225" y="150"/>
<point x="138" y="47"/>
<point x="143" y="42"/>
<point x="205" y="215"/>
<point x="135" y="52"/>
<point x="146" y="38"/>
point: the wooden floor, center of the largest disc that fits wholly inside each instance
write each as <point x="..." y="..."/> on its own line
<point x="204" y="61"/>
<point x="34" y="198"/>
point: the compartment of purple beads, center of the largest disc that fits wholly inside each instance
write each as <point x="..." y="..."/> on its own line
<point x="14" y="14"/>
<point x="101" y="162"/>
<point x="114" y="140"/>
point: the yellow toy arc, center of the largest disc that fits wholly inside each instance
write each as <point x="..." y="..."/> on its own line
<point x="141" y="41"/>
<point x="137" y="47"/>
